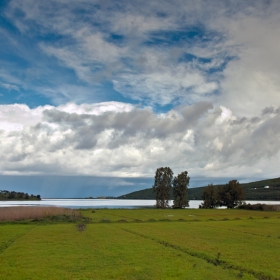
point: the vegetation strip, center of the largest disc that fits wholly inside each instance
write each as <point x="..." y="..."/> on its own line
<point x="217" y="261"/>
<point x="117" y="215"/>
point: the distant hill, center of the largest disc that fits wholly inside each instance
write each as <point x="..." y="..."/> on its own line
<point x="253" y="191"/>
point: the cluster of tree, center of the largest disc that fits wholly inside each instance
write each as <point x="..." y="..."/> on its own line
<point x="230" y="195"/>
<point x="164" y="181"/>
<point x="6" y="195"/>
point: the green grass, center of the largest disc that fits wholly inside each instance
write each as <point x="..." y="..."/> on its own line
<point x="144" y="215"/>
<point x="9" y="234"/>
<point x="145" y="244"/>
<point x="237" y="242"/>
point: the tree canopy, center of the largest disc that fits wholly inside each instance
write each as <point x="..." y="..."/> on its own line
<point x="231" y="195"/>
<point x="180" y="190"/>
<point x="210" y="197"/>
<point x="162" y="186"/>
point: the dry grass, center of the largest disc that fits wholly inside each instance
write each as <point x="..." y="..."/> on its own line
<point x="23" y="213"/>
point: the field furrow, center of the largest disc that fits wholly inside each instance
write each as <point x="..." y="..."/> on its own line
<point x="209" y="259"/>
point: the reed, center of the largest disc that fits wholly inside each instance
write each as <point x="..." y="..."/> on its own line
<point x="25" y="212"/>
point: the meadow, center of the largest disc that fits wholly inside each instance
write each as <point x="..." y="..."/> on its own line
<point x="143" y="244"/>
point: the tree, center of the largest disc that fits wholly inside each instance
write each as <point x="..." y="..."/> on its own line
<point x="180" y="190"/>
<point x="231" y="195"/>
<point x="210" y="197"/>
<point x="162" y="186"/>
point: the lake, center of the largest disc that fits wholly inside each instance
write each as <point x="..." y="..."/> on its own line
<point x="103" y="203"/>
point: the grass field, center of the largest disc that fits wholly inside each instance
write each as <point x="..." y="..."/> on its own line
<point x="144" y="244"/>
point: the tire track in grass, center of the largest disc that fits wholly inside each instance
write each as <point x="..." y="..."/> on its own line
<point x="215" y="261"/>
<point x="5" y="245"/>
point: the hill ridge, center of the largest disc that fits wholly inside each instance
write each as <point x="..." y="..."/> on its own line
<point x="253" y="191"/>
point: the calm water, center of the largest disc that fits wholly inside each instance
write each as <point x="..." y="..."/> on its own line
<point x="103" y="203"/>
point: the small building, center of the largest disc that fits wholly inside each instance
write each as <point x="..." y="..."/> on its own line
<point x="266" y="187"/>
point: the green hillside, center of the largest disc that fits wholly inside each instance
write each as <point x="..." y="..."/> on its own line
<point x="253" y="191"/>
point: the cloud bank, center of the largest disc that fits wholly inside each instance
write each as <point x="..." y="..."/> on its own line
<point x="116" y="140"/>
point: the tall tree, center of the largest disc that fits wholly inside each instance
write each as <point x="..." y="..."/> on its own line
<point x="180" y="190"/>
<point x="162" y="186"/>
<point x="210" y="197"/>
<point x="231" y="195"/>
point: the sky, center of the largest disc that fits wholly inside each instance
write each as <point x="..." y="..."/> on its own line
<point x="96" y="95"/>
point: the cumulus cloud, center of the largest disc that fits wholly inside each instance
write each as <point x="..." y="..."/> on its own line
<point x="115" y="139"/>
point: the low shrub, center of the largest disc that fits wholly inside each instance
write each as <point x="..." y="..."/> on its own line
<point x="259" y="207"/>
<point x="81" y="227"/>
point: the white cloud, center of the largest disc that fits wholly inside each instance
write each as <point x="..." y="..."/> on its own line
<point x="71" y="60"/>
<point x="164" y="84"/>
<point x="137" y="25"/>
<point x="95" y="109"/>
<point x="15" y="117"/>
<point x="9" y="86"/>
<point x="116" y="139"/>
<point x="251" y="82"/>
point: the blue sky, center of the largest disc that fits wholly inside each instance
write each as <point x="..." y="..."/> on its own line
<point x="116" y="89"/>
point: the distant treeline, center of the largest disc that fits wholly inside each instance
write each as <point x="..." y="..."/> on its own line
<point x="253" y="191"/>
<point x="259" y="207"/>
<point x="6" y="195"/>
